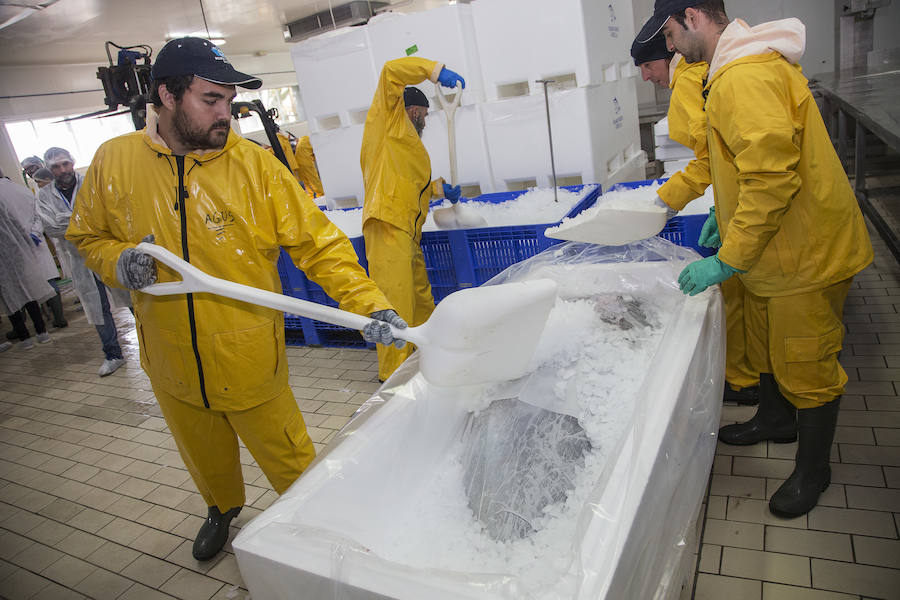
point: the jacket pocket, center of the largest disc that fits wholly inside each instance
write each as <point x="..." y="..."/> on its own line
<point x="246" y="360"/>
<point x="163" y="360"/>
<point x="812" y="362"/>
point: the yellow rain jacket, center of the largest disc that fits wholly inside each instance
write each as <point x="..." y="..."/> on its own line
<point x="687" y="126"/>
<point x="395" y="165"/>
<point x="238" y="206"/>
<point x="285" y="142"/>
<point x="786" y="213"/>
<point x="307" y="172"/>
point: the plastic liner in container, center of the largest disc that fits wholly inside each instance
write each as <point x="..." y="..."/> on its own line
<point x="384" y="513"/>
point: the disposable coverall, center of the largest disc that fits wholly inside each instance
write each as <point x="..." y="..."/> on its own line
<point x="217" y="366"/>
<point x="22" y="205"/>
<point x="55" y="211"/>
<point x="687" y="126"/>
<point x="397" y="175"/>
<point x="786" y="213"/>
<point x="20" y="279"/>
<point x="307" y="171"/>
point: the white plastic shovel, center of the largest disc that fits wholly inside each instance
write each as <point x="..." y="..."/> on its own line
<point x="476" y="335"/>
<point x="611" y="226"/>
<point x="457" y="216"/>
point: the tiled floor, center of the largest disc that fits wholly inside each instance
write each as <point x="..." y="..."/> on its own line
<point x="95" y="502"/>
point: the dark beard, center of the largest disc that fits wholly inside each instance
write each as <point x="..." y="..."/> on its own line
<point x="195" y="138"/>
<point x="65" y="181"/>
<point x="419" y="124"/>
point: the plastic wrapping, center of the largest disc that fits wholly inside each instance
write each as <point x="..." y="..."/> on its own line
<point x="602" y="457"/>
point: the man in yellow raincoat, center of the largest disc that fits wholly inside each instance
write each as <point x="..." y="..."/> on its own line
<point x="217" y="366"/>
<point x="687" y="126"/>
<point x="398" y="187"/>
<point x="307" y="171"/>
<point x="790" y="226"/>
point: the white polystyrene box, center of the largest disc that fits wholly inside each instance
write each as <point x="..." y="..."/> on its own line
<point x="630" y="542"/>
<point x="337" y="77"/>
<point x="472" y="160"/>
<point x="520" y="41"/>
<point x="337" y="156"/>
<point x="445" y="34"/>
<point x="595" y="134"/>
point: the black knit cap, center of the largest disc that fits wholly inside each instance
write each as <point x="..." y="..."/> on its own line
<point x="655" y="49"/>
<point x="413" y="96"/>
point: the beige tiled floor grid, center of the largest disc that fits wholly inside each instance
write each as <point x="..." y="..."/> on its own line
<point x="95" y="501"/>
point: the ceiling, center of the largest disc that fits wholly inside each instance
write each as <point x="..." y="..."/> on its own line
<point x="75" y="31"/>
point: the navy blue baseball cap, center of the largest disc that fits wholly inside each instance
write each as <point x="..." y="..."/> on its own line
<point x="655" y="49"/>
<point x="662" y="10"/>
<point x="196" y="56"/>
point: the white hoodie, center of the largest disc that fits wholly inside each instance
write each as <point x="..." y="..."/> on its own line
<point x="787" y="37"/>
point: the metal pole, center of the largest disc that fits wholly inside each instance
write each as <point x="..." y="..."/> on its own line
<point x="550" y="134"/>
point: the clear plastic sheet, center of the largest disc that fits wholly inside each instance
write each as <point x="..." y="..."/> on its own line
<point x="581" y="480"/>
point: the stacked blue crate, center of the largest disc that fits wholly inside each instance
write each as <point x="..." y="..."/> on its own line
<point x="463" y="258"/>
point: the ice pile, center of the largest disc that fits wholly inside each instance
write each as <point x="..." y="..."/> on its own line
<point x="536" y="206"/>
<point x="589" y="366"/>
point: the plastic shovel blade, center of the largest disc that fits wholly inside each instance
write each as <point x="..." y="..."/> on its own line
<point x="611" y="227"/>
<point x="485" y="334"/>
<point x="458" y="216"/>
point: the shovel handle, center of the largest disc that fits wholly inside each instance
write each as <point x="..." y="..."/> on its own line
<point x="449" y="107"/>
<point x="193" y="280"/>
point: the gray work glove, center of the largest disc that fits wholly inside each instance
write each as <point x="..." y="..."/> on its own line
<point x="136" y="270"/>
<point x="378" y="332"/>
<point x="670" y="212"/>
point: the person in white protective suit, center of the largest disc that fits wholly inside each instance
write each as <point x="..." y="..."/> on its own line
<point x="29" y="166"/>
<point x="55" y="209"/>
<point x="21" y="283"/>
<point x="21" y="204"/>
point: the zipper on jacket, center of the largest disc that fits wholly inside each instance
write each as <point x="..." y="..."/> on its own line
<point x="422" y="191"/>
<point x="182" y="195"/>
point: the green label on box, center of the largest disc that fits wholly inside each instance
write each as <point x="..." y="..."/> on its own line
<point x="412" y="50"/>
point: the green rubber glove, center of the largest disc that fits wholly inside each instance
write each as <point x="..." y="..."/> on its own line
<point x="703" y="273"/>
<point x="709" y="235"/>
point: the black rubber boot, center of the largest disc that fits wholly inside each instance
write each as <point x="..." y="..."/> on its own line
<point x="748" y="396"/>
<point x="812" y="473"/>
<point x="213" y="533"/>
<point x="56" y="307"/>
<point x="775" y="419"/>
<point x="12" y="335"/>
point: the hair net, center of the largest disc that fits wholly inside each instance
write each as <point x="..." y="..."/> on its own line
<point x="42" y="174"/>
<point x="56" y="155"/>
<point x="32" y="161"/>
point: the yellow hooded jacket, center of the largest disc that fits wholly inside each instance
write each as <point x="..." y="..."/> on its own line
<point x="785" y="209"/>
<point x="395" y="165"/>
<point x="687" y="126"/>
<point x="306" y="171"/>
<point x="238" y="206"/>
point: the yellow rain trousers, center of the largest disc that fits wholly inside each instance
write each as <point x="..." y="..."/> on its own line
<point x="397" y="175"/>
<point x="228" y="212"/>
<point x="687" y="126"/>
<point x="785" y="210"/>
<point x="307" y="172"/>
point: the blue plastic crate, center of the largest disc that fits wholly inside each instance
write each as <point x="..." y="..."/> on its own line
<point x="462" y="258"/>
<point x="683" y="230"/>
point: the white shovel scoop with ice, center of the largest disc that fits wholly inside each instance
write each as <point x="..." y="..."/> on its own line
<point x="475" y="335"/>
<point x="457" y="216"/>
<point x="612" y="225"/>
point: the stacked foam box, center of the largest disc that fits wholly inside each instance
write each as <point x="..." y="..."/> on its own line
<point x="673" y="155"/>
<point x="583" y="46"/>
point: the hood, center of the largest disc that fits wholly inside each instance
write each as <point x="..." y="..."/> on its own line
<point x="786" y="37"/>
<point x="155" y="141"/>
<point x="673" y="68"/>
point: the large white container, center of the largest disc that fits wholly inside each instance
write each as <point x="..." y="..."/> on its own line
<point x="520" y="41"/>
<point x="337" y="77"/>
<point x="337" y="156"/>
<point x="445" y="34"/>
<point x="595" y="136"/>
<point x="633" y="531"/>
